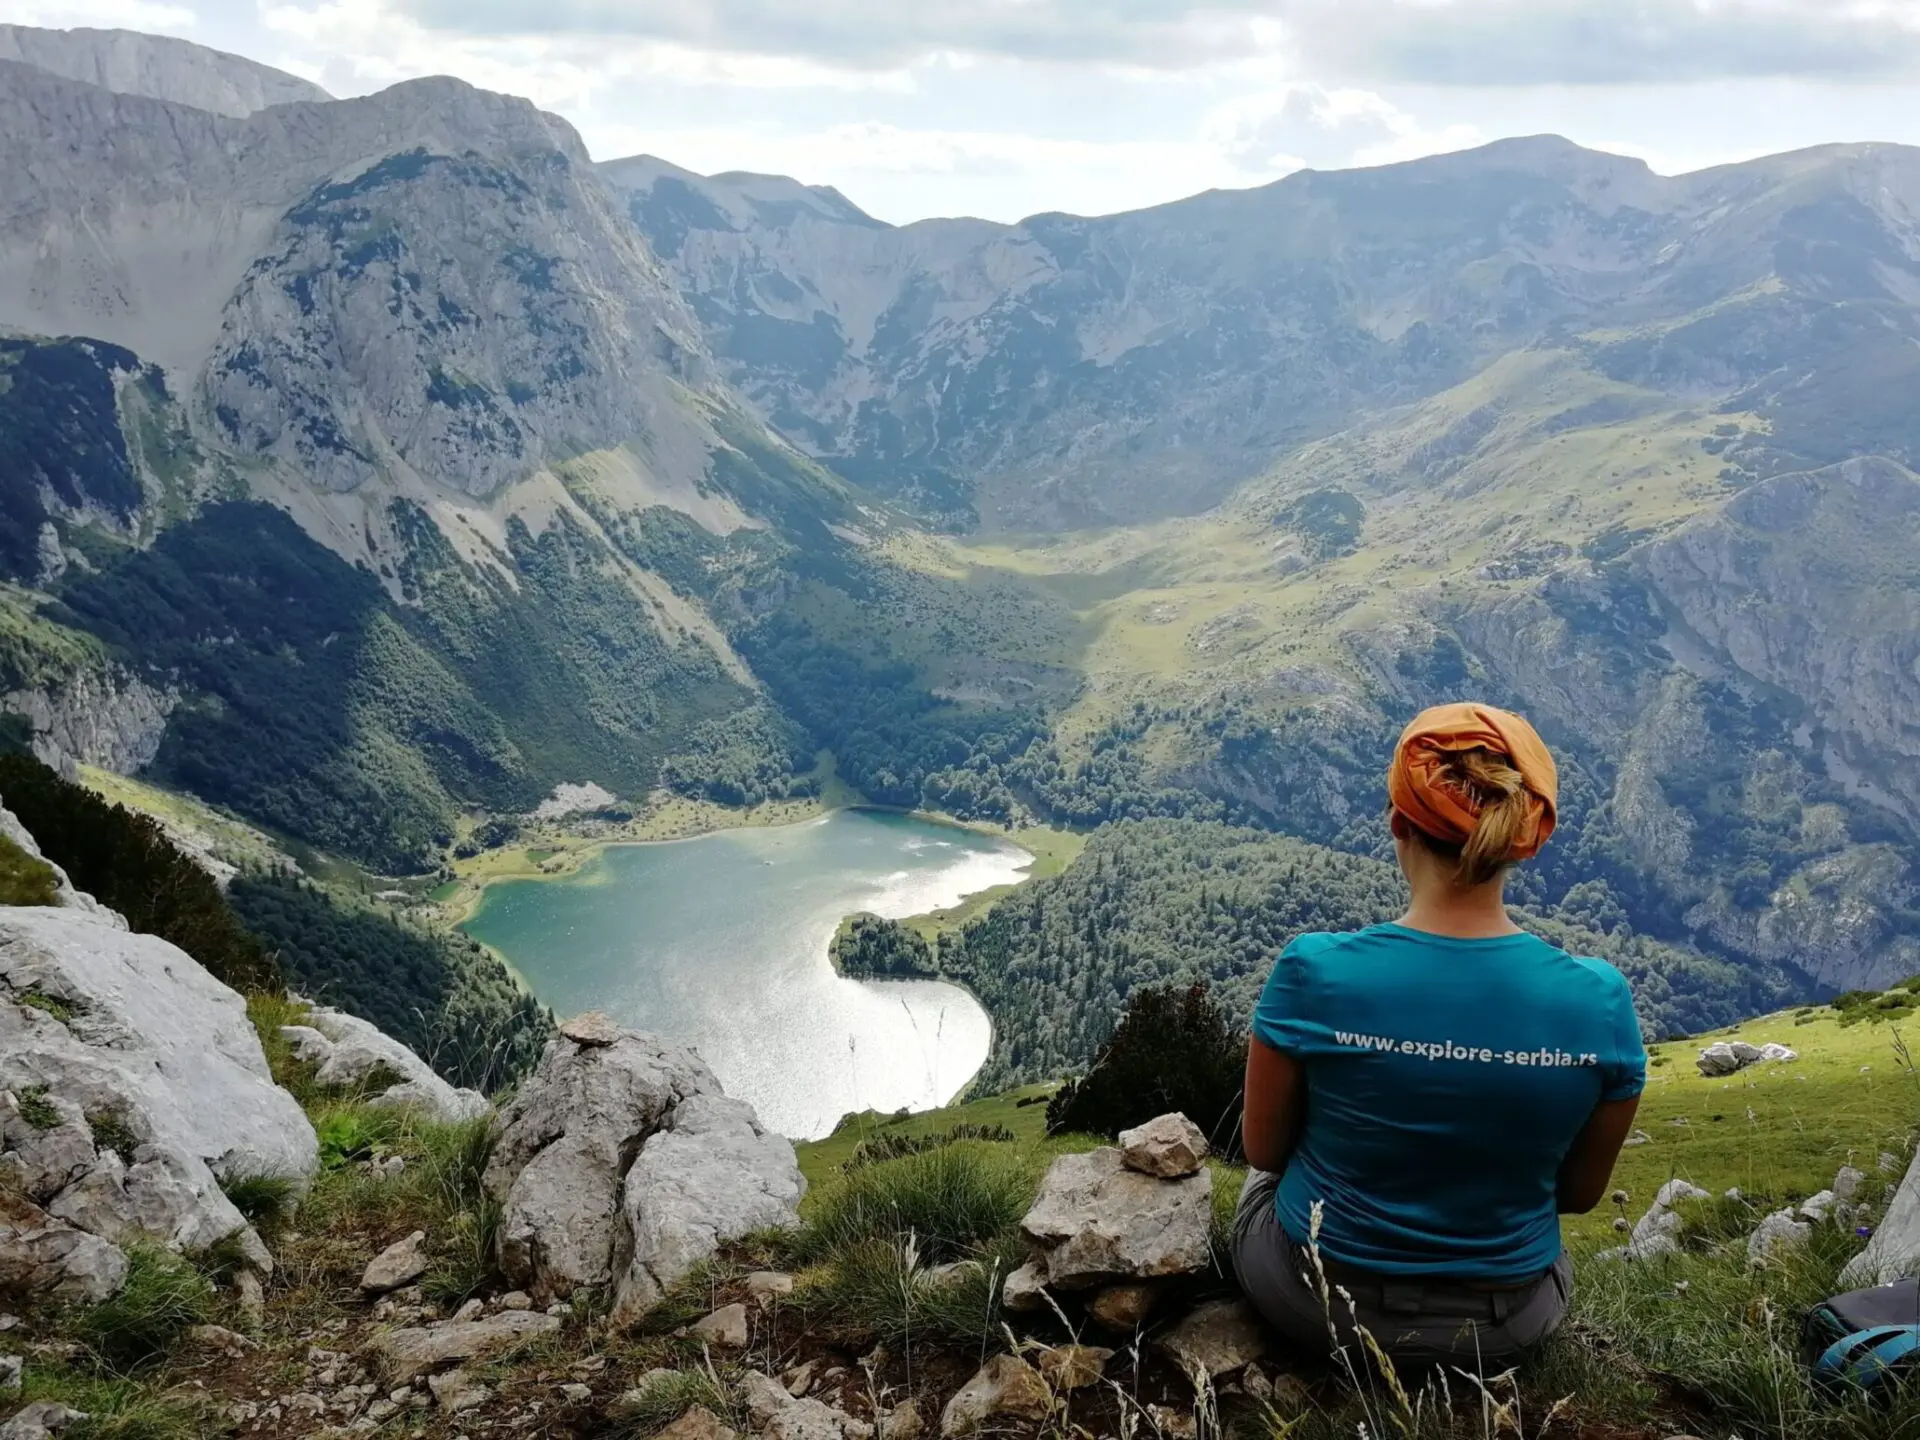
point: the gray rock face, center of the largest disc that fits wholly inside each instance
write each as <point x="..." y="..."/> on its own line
<point x="102" y="717"/>
<point x="40" y="1255"/>
<point x="712" y="1175"/>
<point x="349" y="1049"/>
<point x="150" y="1089"/>
<point x="623" y="1165"/>
<point x="1168" y="1146"/>
<point x="1095" y="1220"/>
<point x="1893" y="1252"/>
<point x="157" y="66"/>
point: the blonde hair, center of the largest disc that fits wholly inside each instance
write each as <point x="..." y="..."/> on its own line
<point x="1502" y="808"/>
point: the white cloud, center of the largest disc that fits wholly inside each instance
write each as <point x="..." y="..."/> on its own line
<point x="103" y="14"/>
<point x="1273" y="131"/>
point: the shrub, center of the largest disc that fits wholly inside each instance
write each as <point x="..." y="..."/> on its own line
<point x="23" y="879"/>
<point x="126" y="862"/>
<point x="163" y="1298"/>
<point x="1174" y="1049"/>
<point x="950" y="1201"/>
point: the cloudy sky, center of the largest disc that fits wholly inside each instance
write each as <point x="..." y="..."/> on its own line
<point x="1002" y="108"/>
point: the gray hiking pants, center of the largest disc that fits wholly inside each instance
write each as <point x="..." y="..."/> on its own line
<point x="1417" y="1321"/>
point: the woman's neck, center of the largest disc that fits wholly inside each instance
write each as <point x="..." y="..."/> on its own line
<point x="1476" y="914"/>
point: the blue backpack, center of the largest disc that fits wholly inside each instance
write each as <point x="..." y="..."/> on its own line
<point x="1867" y="1339"/>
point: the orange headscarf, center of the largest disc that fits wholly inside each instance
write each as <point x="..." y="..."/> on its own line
<point x="1417" y="781"/>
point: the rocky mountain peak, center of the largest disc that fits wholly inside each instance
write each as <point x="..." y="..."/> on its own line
<point x="157" y="66"/>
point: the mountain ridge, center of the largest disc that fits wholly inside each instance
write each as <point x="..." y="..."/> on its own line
<point x="159" y="66"/>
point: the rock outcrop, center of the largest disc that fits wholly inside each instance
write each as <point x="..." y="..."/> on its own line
<point x="1728" y="1057"/>
<point x="1095" y="1220"/>
<point x="349" y="1050"/>
<point x="1657" y="1232"/>
<point x="621" y="1163"/>
<point x="1894" y="1250"/>
<point x="135" y="1084"/>
<point x="159" y="66"/>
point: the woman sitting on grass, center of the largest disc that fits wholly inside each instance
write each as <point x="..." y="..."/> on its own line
<point x="1425" y="1099"/>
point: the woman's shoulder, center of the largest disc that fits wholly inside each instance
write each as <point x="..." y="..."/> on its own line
<point x="1318" y="944"/>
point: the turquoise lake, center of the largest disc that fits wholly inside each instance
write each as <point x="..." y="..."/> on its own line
<point x="721" y="942"/>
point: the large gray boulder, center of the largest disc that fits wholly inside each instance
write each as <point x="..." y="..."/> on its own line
<point x="1095" y="1219"/>
<point x="136" y="1084"/>
<point x="1894" y="1251"/>
<point x="712" y="1175"/>
<point x="349" y="1050"/>
<point x="621" y="1164"/>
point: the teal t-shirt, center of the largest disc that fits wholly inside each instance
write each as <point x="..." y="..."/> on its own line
<point x="1446" y="1081"/>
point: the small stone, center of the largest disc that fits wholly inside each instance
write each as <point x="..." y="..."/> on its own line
<point x="1215" y="1340"/>
<point x="250" y="1295"/>
<point x="381" y="1411"/>
<point x="592" y="1365"/>
<point x="725" y="1327"/>
<point x="1073" y="1367"/>
<point x="400" y="1356"/>
<point x="1173" y="1424"/>
<point x="514" y="1300"/>
<point x="219" y="1337"/>
<point x="699" y="1423"/>
<point x="401" y="1263"/>
<point x="592" y="1028"/>
<point x="1816" y="1207"/>
<point x="1888" y="1163"/>
<point x="903" y="1422"/>
<point x="766" y="1286"/>
<point x="1291" y="1396"/>
<point x="1254" y="1381"/>
<point x="1777" y="1233"/>
<point x="1168" y="1145"/>
<point x="1025" y="1290"/>
<point x="469" y="1310"/>
<point x="41" y="1419"/>
<point x="1005" y="1385"/>
<point x="1639" y="1137"/>
<point x="1123" y="1307"/>
<point x="574" y="1393"/>
<point x="8" y="1322"/>
<point x="10" y="1368"/>
<point x="1846" y="1184"/>
<point x="799" y="1380"/>
<point x="457" y="1392"/>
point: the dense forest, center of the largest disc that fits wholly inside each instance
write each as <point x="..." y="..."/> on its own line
<point x="453" y="1003"/>
<point x="1159" y="901"/>
<point x="442" y="995"/>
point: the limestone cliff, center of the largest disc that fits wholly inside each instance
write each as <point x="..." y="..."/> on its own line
<point x="158" y="66"/>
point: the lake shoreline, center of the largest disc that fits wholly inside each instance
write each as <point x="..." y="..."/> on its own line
<point x="661" y="937"/>
<point x="573" y="850"/>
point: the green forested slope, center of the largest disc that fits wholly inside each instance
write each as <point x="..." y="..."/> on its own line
<point x="1162" y="900"/>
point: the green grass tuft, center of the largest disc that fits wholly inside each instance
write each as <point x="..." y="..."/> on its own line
<point x="950" y="1201"/>
<point x="118" y="1408"/>
<point x="163" y="1298"/>
<point x="888" y="1288"/>
<point x="25" y="880"/>
<point x="61" y="1010"/>
<point x="36" y="1109"/>
<point x="266" y="1200"/>
<point x="664" y="1396"/>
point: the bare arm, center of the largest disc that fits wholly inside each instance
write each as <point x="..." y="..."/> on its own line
<point x="1588" y="1168"/>
<point x="1276" y="1103"/>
